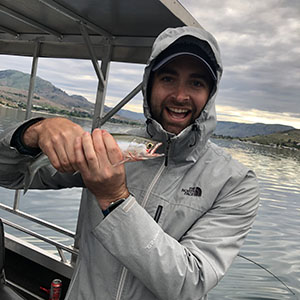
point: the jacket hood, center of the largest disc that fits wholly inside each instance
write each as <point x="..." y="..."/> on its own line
<point x="206" y="122"/>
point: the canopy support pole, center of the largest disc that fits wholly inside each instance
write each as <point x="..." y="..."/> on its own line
<point x="123" y="102"/>
<point x="32" y="79"/>
<point x="102" y="74"/>
<point x="29" y="103"/>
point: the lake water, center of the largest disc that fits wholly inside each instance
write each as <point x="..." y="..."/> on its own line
<point x="274" y="241"/>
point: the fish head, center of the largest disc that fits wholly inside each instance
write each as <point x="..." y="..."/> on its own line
<point x="152" y="146"/>
<point x="143" y="147"/>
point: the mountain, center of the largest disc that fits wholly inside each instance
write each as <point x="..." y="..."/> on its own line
<point x="128" y="114"/>
<point x="14" y="86"/>
<point x="43" y="89"/>
<point x="234" y="129"/>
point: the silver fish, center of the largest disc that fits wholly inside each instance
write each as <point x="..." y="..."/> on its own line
<point x="134" y="148"/>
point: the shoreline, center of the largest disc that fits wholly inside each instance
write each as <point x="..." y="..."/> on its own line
<point x="269" y="145"/>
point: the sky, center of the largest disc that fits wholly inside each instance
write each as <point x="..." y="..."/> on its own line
<point x="260" y="48"/>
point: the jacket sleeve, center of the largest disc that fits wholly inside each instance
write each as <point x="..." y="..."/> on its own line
<point x="13" y="167"/>
<point x="190" y="267"/>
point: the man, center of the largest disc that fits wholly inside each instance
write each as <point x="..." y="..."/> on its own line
<point x="167" y="228"/>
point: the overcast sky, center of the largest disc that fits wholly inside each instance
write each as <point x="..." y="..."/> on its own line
<point x="260" y="46"/>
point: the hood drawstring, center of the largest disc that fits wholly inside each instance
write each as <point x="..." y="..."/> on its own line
<point x="148" y="122"/>
<point x="194" y="131"/>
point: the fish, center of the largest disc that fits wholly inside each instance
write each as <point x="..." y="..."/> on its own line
<point x="134" y="148"/>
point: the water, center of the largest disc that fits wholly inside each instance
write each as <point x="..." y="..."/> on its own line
<point x="274" y="241"/>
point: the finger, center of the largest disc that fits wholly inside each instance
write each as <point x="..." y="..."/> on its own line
<point x="89" y="153"/>
<point x="54" y="148"/>
<point x="62" y="155"/>
<point x="52" y="155"/>
<point x="99" y="147"/>
<point x="81" y="162"/>
<point x="70" y="152"/>
<point x="114" y="152"/>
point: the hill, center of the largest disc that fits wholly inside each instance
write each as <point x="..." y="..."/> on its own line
<point x="290" y="138"/>
<point x="233" y="129"/>
<point x="44" y="91"/>
<point x="47" y="97"/>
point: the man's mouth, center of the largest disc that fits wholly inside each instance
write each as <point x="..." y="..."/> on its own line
<point x="178" y="113"/>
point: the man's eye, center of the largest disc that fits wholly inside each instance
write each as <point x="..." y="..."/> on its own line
<point x="166" y="79"/>
<point x="197" y="83"/>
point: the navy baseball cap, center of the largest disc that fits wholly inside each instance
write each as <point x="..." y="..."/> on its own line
<point x="188" y="45"/>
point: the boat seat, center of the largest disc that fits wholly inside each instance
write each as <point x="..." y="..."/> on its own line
<point x="6" y="292"/>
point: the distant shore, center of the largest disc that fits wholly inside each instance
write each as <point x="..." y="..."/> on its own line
<point x="62" y="113"/>
<point x="282" y="140"/>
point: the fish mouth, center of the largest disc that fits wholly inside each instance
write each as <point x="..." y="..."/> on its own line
<point x="152" y="152"/>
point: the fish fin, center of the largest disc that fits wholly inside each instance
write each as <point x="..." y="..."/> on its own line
<point x="29" y="176"/>
<point x="52" y="170"/>
<point x="121" y="162"/>
<point x="27" y="181"/>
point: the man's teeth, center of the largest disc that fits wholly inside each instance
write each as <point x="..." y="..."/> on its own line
<point x="178" y="110"/>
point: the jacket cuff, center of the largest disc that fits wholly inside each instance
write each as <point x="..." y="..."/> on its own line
<point x="17" y="139"/>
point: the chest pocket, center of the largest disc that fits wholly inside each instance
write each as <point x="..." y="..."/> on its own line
<point x="177" y="204"/>
<point x="183" y="205"/>
<point x="178" y="196"/>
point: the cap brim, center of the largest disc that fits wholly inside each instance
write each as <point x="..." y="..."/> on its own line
<point x="174" y="55"/>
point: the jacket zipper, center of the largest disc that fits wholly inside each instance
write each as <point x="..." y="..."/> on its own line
<point x="155" y="179"/>
<point x="144" y="202"/>
<point x="167" y="151"/>
<point x="121" y="283"/>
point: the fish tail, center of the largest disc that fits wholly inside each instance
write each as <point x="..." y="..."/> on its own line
<point x="28" y="180"/>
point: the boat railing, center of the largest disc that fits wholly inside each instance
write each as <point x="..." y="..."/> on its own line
<point x="61" y="248"/>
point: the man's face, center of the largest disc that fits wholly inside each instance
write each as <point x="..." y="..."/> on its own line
<point x="180" y="90"/>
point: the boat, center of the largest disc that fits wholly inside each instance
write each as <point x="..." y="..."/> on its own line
<point x="99" y="30"/>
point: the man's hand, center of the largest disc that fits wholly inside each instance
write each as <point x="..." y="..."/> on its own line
<point x="97" y="156"/>
<point x="56" y="138"/>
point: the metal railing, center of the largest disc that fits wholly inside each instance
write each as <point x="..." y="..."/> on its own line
<point x="59" y="246"/>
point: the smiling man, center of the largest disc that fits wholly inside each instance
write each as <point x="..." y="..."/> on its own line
<point x="167" y="228"/>
<point x="181" y="80"/>
<point x="180" y="91"/>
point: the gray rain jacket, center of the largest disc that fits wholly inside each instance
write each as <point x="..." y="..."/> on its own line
<point x="206" y="200"/>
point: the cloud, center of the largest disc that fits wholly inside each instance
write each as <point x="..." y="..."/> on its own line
<point x="260" y="46"/>
<point x="230" y="113"/>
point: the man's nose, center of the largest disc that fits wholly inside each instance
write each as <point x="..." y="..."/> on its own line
<point x="182" y="93"/>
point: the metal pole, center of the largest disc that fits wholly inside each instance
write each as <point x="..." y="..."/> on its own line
<point x="114" y="110"/>
<point x="16" y="200"/>
<point x="32" y="79"/>
<point x="101" y="89"/>
<point x="98" y="112"/>
<point x="92" y="53"/>
<point x="29" y="103"/>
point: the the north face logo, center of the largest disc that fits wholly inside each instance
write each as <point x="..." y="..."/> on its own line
<point x="192" y="191"/>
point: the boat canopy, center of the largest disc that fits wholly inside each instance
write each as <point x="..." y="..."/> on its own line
<point x="128" y="27"/>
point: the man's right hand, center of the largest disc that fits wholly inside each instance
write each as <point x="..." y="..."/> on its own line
<point x="56" y="138"/>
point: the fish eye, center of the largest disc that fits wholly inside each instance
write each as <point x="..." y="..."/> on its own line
<point x="149" y="146"/>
